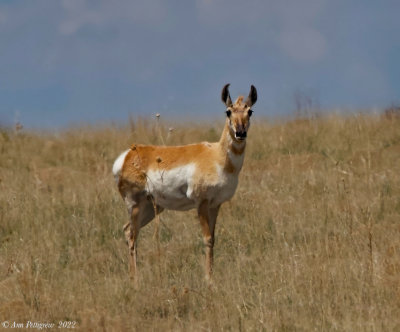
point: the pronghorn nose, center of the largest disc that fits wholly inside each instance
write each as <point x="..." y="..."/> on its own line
<point x="241" y="133"/>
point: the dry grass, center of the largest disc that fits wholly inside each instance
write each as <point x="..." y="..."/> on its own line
<point x="311" y="240"/>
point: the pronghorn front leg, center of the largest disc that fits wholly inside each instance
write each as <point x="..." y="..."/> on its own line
<point x="208" y="218"/>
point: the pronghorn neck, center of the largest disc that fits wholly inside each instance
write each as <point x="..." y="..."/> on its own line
<point x="232" y="149"/>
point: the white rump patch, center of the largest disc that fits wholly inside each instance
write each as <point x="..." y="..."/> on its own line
<point x="118" y="163"/>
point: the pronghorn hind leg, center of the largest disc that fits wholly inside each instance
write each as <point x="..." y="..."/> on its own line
<point x="132" y="233"/>
<point x="149" y="211"/>
<point x="132" y="229"/>
<point x="141" y="211"/>
<point x="147" y="214"/>
<point x="208" y="218"/>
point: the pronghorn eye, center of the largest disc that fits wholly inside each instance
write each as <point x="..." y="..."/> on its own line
<point x="228" y="113"/>
<point x="249" y="112"/>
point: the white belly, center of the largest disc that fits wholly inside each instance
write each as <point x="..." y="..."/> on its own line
<point x="172" y="189"/>
<point x="175" y="189"/>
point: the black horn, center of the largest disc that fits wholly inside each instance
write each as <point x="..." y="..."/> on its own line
<point x="252" y="98"/>
<point x="225" y="96"/>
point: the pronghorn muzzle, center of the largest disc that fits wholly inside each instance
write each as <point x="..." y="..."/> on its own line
<point x="240" y="132"/>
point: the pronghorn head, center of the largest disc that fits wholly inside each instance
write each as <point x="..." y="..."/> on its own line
<point x="239" y="113"/>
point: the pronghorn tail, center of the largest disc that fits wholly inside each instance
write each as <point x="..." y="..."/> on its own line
<point x="118" y="163"/>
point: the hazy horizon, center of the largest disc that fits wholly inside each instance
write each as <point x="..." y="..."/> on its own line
<point x="76" y="61"/>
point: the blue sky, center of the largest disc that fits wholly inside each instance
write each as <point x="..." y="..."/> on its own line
<point x="80" y="61"/>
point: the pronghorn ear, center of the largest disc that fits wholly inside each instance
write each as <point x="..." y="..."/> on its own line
<point x="252" y="98"/>
<point x="225" y="96"/>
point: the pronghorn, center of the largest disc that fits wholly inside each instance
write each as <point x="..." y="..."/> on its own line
<point x="196" y="176"/>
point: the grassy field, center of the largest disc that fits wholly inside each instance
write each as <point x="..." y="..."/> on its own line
<point x="311" y="240"/>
